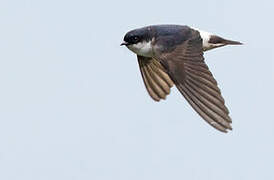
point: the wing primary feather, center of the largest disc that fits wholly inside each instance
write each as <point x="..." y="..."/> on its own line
<point x="153" y="83"/>
<point x="205" y="82"/>
<point x="158" y="69"/>
<point x="209" y="91"/>
<point x="159" y="82"/>
<point x="151" y="92"/>
<point x="195" y="67"/>
<point x="209" y="101"/>
<point x="211" y="116"/>
<point x="202" y="113"/>
<point x="201" y="75"/>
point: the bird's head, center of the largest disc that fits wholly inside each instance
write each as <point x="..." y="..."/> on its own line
<point x="135" y="36"/>
<point x="139" y="41"/>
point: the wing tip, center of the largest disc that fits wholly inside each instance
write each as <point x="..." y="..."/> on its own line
<point x="220" y="127"/>
<point x="158" y="99"/>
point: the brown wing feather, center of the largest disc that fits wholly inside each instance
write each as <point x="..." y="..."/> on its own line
<point x="156" y="80"/>
<point x="186" y="67"/>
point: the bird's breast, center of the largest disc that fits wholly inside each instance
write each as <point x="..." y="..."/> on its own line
<point x="142" y="48"/>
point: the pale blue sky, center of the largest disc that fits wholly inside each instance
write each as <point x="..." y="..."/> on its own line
<point x="73" y="105"/>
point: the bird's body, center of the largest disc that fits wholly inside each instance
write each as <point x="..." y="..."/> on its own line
<point x="173" y="54"/>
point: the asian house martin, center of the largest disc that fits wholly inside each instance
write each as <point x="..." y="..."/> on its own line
<point x="173" y="54"/>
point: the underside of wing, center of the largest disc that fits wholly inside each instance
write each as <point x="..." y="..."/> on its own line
<point x="191" y="75"/>
<point x="156" y="80"/>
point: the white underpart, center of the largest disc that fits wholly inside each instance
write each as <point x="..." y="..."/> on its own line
<point x="206" y="37"/>
<point x="142" y="48"/>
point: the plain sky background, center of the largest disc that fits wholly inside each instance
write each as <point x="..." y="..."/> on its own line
<point x="73" y="105"/>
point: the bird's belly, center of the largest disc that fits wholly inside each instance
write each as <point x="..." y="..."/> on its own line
<point x="142" y="49"/>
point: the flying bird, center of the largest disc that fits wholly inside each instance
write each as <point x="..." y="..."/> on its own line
<point x="173" y="55"/>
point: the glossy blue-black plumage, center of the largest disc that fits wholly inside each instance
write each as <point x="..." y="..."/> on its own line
<point x="166" y="36"/>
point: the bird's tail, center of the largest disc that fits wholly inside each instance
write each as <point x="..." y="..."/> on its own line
<point x="230" y="42"/>
<point x="219" y="40"/>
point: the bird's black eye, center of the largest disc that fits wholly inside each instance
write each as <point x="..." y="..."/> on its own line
<point x="135" y="39"/>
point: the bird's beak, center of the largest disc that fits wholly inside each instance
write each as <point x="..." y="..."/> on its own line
<point x="124" y="43"/>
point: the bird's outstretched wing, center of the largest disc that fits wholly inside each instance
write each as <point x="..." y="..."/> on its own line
<point x="157" y="81"/>
<point x="186" y="67"/>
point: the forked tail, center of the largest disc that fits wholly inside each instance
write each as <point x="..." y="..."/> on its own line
<point x="218" y="40"/>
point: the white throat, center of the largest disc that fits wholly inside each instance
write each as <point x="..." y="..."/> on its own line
<point x="143" y="48"/>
